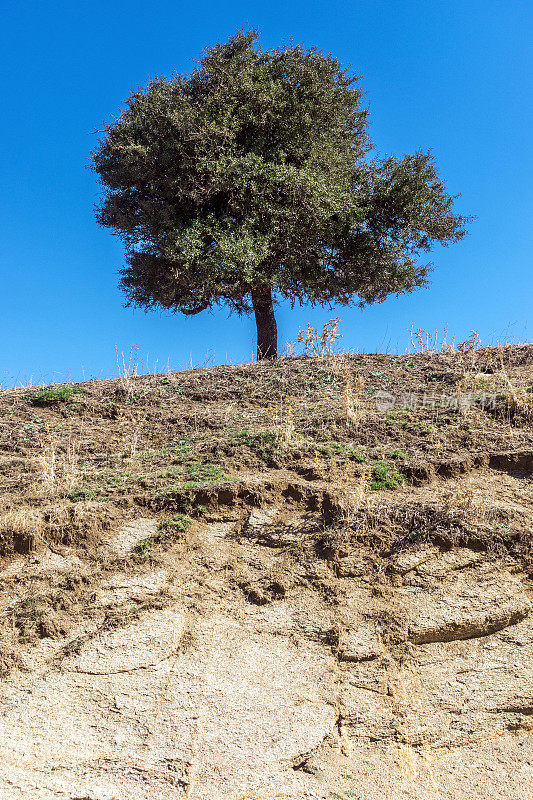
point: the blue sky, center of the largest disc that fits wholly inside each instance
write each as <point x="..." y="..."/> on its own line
<point x="453" y="76"/>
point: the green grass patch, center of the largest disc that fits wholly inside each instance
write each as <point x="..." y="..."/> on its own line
<point x="177" y="523"/>
<point x="263" y="442"/>
<point x="259" y="439"/>
<point x="407" y="423"/>
<point x="52" y="395"/>
<point x="385" y="476"/>
<point x="342" y="450"/>
<point x="78" y="495"/>
<point x="399" y="454"/>
<point x="181" y="446"/>
<point x="448" y="419"/>
<point x="178" y="450"/>
<point x="203" y="474"/>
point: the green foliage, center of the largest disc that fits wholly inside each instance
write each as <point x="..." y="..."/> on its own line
<point x="202" y="474"/>
<point x="398" y="454"/>
<point x="406" y="422"/>
<point x="446" y="419"/>
<point x="385" y="476"/>
<point x="259" y="439"/>
<point x="52" y="395"/>
<point x="416" y="427"/>
<point x="253" y="174"/>
<point x="28" y="616"/>
<point x="342" y="449"/>
<point x="144" y="547"/>
<point x="263" y="442"/>
<point x="85" y="494"/>
<point x="179" y="522"/>
<point x="181" y="448"/>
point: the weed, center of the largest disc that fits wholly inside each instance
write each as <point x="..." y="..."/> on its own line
<point x="282" y="416"/>
<point x="28" y="619"/>
<point x="131" y="432"/>
<point x="353" y="500"/>
<point x="127" y="371"/>
<point x="423" y="341"/>
<point x="171" y="472"/>
<point x="471" y="344"/>
<point x="177" y="523"/>
<point x="384" y="476"/>
<point x="202" y="474"/>
<point x="144" y="547"/>
<point x="84" y="494"/>
<point x="182" y="446"/>
<point x="259" y="439"/>
<point x="52" y="395"/>
<point x="346" y="452"/>
<point x="441" y="421"/>
<point x="59" y="472"/>
<point x="398" y="454"/>
<point x="352" y="398"/>
<point x="408" y="424"/>
<point x="151" y="455"/>
<point x="74" y="647"/>
<point x="320" y="344"/>
<point x="263" y="442"/>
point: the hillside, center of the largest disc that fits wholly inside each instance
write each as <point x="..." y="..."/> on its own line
<point x="308" y="578"/>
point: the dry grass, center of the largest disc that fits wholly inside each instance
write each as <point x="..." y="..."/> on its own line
<point x="132" y="440"/>
<point x="21" y="529"/>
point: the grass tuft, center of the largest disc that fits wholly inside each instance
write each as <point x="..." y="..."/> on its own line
<point x="52" y="395"/>
<point x="385" y="476"/>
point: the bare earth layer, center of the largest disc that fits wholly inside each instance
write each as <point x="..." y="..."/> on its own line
<point x="253" y="582"/>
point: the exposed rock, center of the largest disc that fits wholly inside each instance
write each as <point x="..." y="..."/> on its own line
<point x="472" y="605"/>
<point x="350" y="567"/>
<point x="134" y="715"/>
<point x="124" y="540"/>
<point x="411" y="559"/>
<point x="120" y="588"/>
<point x="360" y="644"/>
<point x="264" y="676"/>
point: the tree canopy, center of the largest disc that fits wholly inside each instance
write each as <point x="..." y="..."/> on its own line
<point x="253" y="178"/>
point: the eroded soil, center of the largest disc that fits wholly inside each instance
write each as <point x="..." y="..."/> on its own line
<point x="219" y="604"/>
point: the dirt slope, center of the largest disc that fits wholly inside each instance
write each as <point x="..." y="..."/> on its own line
<point x="271" y="581"/>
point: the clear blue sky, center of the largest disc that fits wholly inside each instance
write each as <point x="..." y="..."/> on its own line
<point x="451" y="75"/>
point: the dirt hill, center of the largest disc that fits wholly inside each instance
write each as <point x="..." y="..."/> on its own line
<point x="303" y="579"/>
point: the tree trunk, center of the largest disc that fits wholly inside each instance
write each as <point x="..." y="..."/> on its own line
<point x="267" y="330"/>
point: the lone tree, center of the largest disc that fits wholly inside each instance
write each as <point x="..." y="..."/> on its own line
<point x="251" y="179"/>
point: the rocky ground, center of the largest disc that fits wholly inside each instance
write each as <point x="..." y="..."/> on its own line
<point x="271" y="581"/>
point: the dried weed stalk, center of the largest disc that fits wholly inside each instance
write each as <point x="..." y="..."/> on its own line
<point x="320" y="344"/>
<point x="352" y="398"/>
<point x="58" y="469"/>
<point x="282" y="417"/>
<point x="127" y="370"/>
